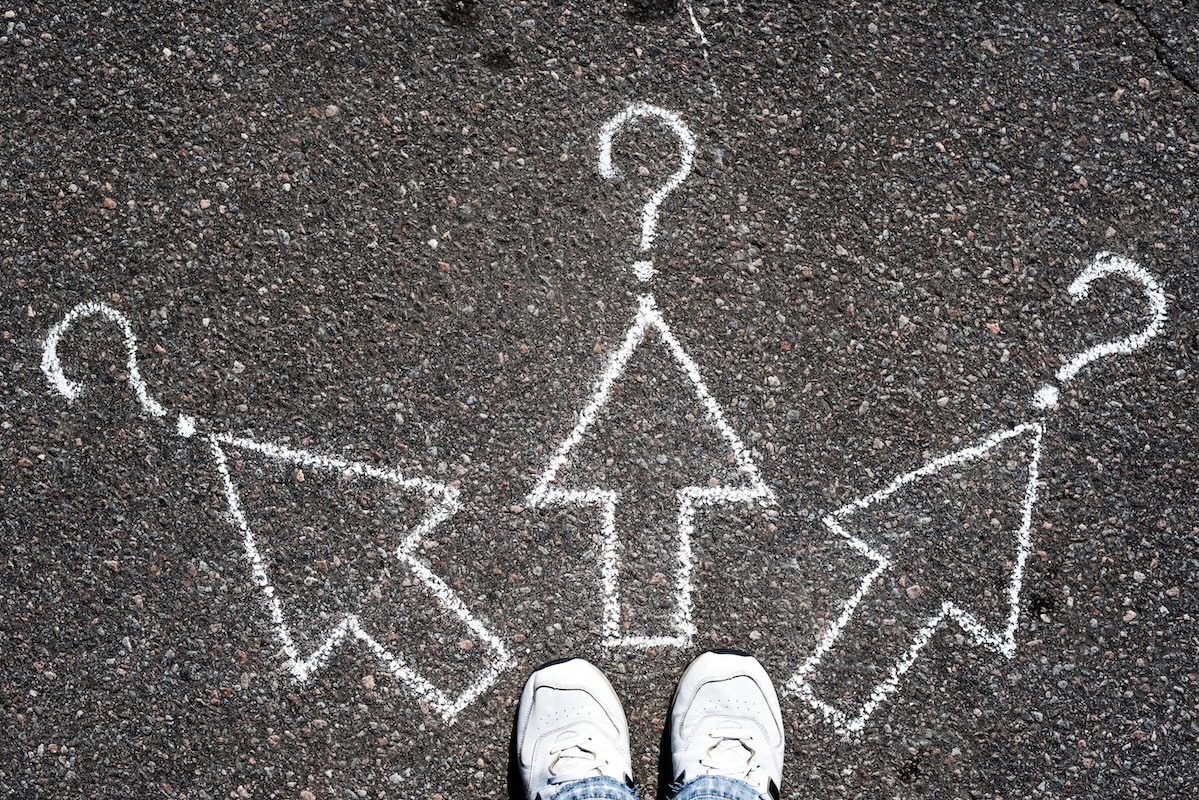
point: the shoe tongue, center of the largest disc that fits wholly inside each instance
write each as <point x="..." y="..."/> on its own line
<point x="574" y="758"/>
<point x="731" y="755"/>
<point x="567" y="738"/>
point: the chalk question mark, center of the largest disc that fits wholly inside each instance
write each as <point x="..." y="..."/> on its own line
<point x="70" y="389"/>
<point x="644" y="270"/>
<point x="1102" y="265"/>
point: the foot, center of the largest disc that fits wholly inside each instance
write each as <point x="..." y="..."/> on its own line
<point x="570" y="726"/>
<point x="726" y="721"/>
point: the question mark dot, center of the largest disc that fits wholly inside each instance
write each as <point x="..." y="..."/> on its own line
<point x="186" y="426"/>
<point x="1046" y="397"/>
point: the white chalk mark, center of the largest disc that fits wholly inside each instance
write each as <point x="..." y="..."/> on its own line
<point x="703" y="40"/>
<point x="70" y="389"/>
<point x="1046" y="397"/>
<point x="445" y="504"/>
<point x="703" y="43"/>
<point x="691" y="497"/>
<point x="1102" y="265"/>
<point x="644" y="270"/>
<point x="443" y="497"/>
<point x="186" y="426"/>
<point x="649" y="213"/>
<point x="1003" y="642"/>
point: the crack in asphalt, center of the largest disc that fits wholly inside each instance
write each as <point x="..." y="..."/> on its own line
<point x="1161" y="50"/>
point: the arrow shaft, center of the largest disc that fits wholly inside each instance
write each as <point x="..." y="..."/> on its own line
<point x="646" y="568"/>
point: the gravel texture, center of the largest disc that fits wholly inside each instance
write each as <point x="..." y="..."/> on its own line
<point x="376" y="231"/>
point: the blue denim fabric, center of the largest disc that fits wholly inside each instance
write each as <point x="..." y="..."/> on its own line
<point x="599" y="787"/>
<point x="704" y="787"/>
<point x="716" y="787"/>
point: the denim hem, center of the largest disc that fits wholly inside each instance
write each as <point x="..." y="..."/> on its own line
<point x="714" y="787"/>
<point x="597" y="787"/>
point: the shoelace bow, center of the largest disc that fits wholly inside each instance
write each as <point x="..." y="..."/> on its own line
<point x="573" y="760"/>
<point x="732" y="755"/>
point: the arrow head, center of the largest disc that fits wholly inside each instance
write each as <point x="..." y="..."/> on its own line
<point x="958" y="531"/>
<point x="653" y="436"/>
<point x="340" y="551"/>
<point x="650" y="447"/>
<point x="946" y="542"/>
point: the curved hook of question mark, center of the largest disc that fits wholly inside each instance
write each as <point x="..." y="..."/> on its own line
<point x="649" y="213"/>
<point x="1102" y="265"/>
<point x="71" y="390"/>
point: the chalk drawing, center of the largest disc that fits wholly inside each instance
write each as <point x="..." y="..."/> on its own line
<point x="442" y="497"/>
<point x="689" y="498"/>
<point x="703" y="40"/>
<point x="1002" y="641"/>
<point x="545" y="493"/>
<point x="70" y="389"/>
<point x="1105" y="264"/>
<point x="644" y="270"/>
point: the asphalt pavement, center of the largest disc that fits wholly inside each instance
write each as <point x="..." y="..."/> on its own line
<point x="333" y="402"/>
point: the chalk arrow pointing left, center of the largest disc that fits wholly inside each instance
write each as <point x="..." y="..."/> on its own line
<point x="946" y="544"/>
<point x="377" y="618"/>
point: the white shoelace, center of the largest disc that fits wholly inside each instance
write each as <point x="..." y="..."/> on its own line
<point x="573" y="760"/>
<point x="732" y="755"/>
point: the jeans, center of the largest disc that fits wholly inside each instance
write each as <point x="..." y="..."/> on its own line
<point x="704" y="787"/>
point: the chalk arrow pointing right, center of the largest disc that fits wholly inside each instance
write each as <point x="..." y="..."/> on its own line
<point x="938" y="555"/>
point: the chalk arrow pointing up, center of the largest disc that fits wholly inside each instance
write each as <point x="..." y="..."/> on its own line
<point x="946" y="543"/>
<point x="611" y="503"/>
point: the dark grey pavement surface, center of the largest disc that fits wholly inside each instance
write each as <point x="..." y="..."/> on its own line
<point x="376" y="231"/>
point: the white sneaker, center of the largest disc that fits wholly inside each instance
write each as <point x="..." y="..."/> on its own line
<point x="570" y="726"/>
<point x="725" y="720"/>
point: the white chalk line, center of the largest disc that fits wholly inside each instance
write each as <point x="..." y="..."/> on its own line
<point x="703" y="44"/>
<point x="649" y="214"/>
<point x="1102" y="265"/>
<point x="446" y="504"/>
<point x="70" y="389"/>
<point x="689" y="498"/>
<point x="644" y="270"/>
<point x="1004" y="643"/>
<point x="703" y="40"/>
